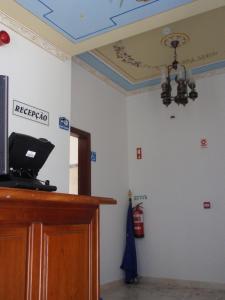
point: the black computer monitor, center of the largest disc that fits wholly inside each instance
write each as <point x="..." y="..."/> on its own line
<point x="27" y="154"/>
<point x="3" y="126"/>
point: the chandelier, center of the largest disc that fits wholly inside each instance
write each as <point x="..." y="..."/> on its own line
<point x="183" y="78"/>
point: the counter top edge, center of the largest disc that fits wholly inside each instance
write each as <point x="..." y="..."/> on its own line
<point x="13" y="195"/>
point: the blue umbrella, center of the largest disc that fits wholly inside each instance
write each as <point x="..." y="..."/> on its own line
<point x="129" y="263"/>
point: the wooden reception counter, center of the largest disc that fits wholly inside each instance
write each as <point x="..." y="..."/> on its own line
<point x="49" y="245"/>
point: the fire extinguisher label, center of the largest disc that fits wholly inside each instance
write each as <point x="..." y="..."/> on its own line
<point x="138" y="218"/>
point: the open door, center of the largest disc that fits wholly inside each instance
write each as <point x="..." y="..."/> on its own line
<point x="84" y="162"/>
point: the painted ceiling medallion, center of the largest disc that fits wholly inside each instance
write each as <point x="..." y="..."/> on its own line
<point x="182" y="39"/>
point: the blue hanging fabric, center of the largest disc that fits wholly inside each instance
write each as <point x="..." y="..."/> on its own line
<point x="129" y="263"/>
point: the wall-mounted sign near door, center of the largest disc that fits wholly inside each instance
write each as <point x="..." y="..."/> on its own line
<point x="93" y="156"/>
<point x="64" y="123"/>
<point x="31" y="113"/>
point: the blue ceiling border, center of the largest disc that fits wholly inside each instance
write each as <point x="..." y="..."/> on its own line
<point x="105" y="70"/>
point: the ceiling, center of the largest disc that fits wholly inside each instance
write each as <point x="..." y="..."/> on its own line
<point x="122" y="39"/>
<point x="136" y="62"/>
<point x="79" y="20"/>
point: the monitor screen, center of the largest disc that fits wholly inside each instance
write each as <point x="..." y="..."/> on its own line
<point x="28" y="154"/>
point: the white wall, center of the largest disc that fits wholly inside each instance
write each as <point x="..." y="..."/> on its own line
<point x="100" y="110"/>
<point x="41" y="80"/>
<point x="182" y="240"/>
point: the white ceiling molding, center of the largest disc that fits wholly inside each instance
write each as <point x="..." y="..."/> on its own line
<point x="32" y="36"/>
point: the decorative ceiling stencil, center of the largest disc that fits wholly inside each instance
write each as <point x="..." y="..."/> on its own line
<point x="123" y="55"/>
<point x="79" y="20"/>
<point x="135" y="63"/>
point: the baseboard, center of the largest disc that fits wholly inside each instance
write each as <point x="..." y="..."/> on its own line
<point x="182" y="283"/>
<point x="112" y="285"/>
<point x="176" y="283"/>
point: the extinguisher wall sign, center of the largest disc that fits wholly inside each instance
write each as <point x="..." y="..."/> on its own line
<point x="139" y="153"/>
<point x="138" y="217"/>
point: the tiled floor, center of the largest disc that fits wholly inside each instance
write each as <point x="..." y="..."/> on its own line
<point x="154" y="291"/>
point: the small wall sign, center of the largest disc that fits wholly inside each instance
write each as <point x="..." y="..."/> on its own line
<point x="31" y="113"/>
<point x="139" y="153"/>
<point x="204" y="143"/>
<point x="140" y="197"/>
<point x="207" y="205"/>
<point x="64" y="123"/>
<point x="93" y="156"/>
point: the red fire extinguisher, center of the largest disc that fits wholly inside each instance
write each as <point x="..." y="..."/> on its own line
<point x="138" y="217"/>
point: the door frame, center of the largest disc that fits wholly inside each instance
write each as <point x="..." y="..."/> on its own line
<point x="84" y="161"/>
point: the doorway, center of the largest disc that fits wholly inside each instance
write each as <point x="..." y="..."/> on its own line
<point x="73" y="176"/>
<point x="80" y="163"/>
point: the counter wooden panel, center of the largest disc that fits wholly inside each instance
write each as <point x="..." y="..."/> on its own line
<point x="49" y="245"/>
